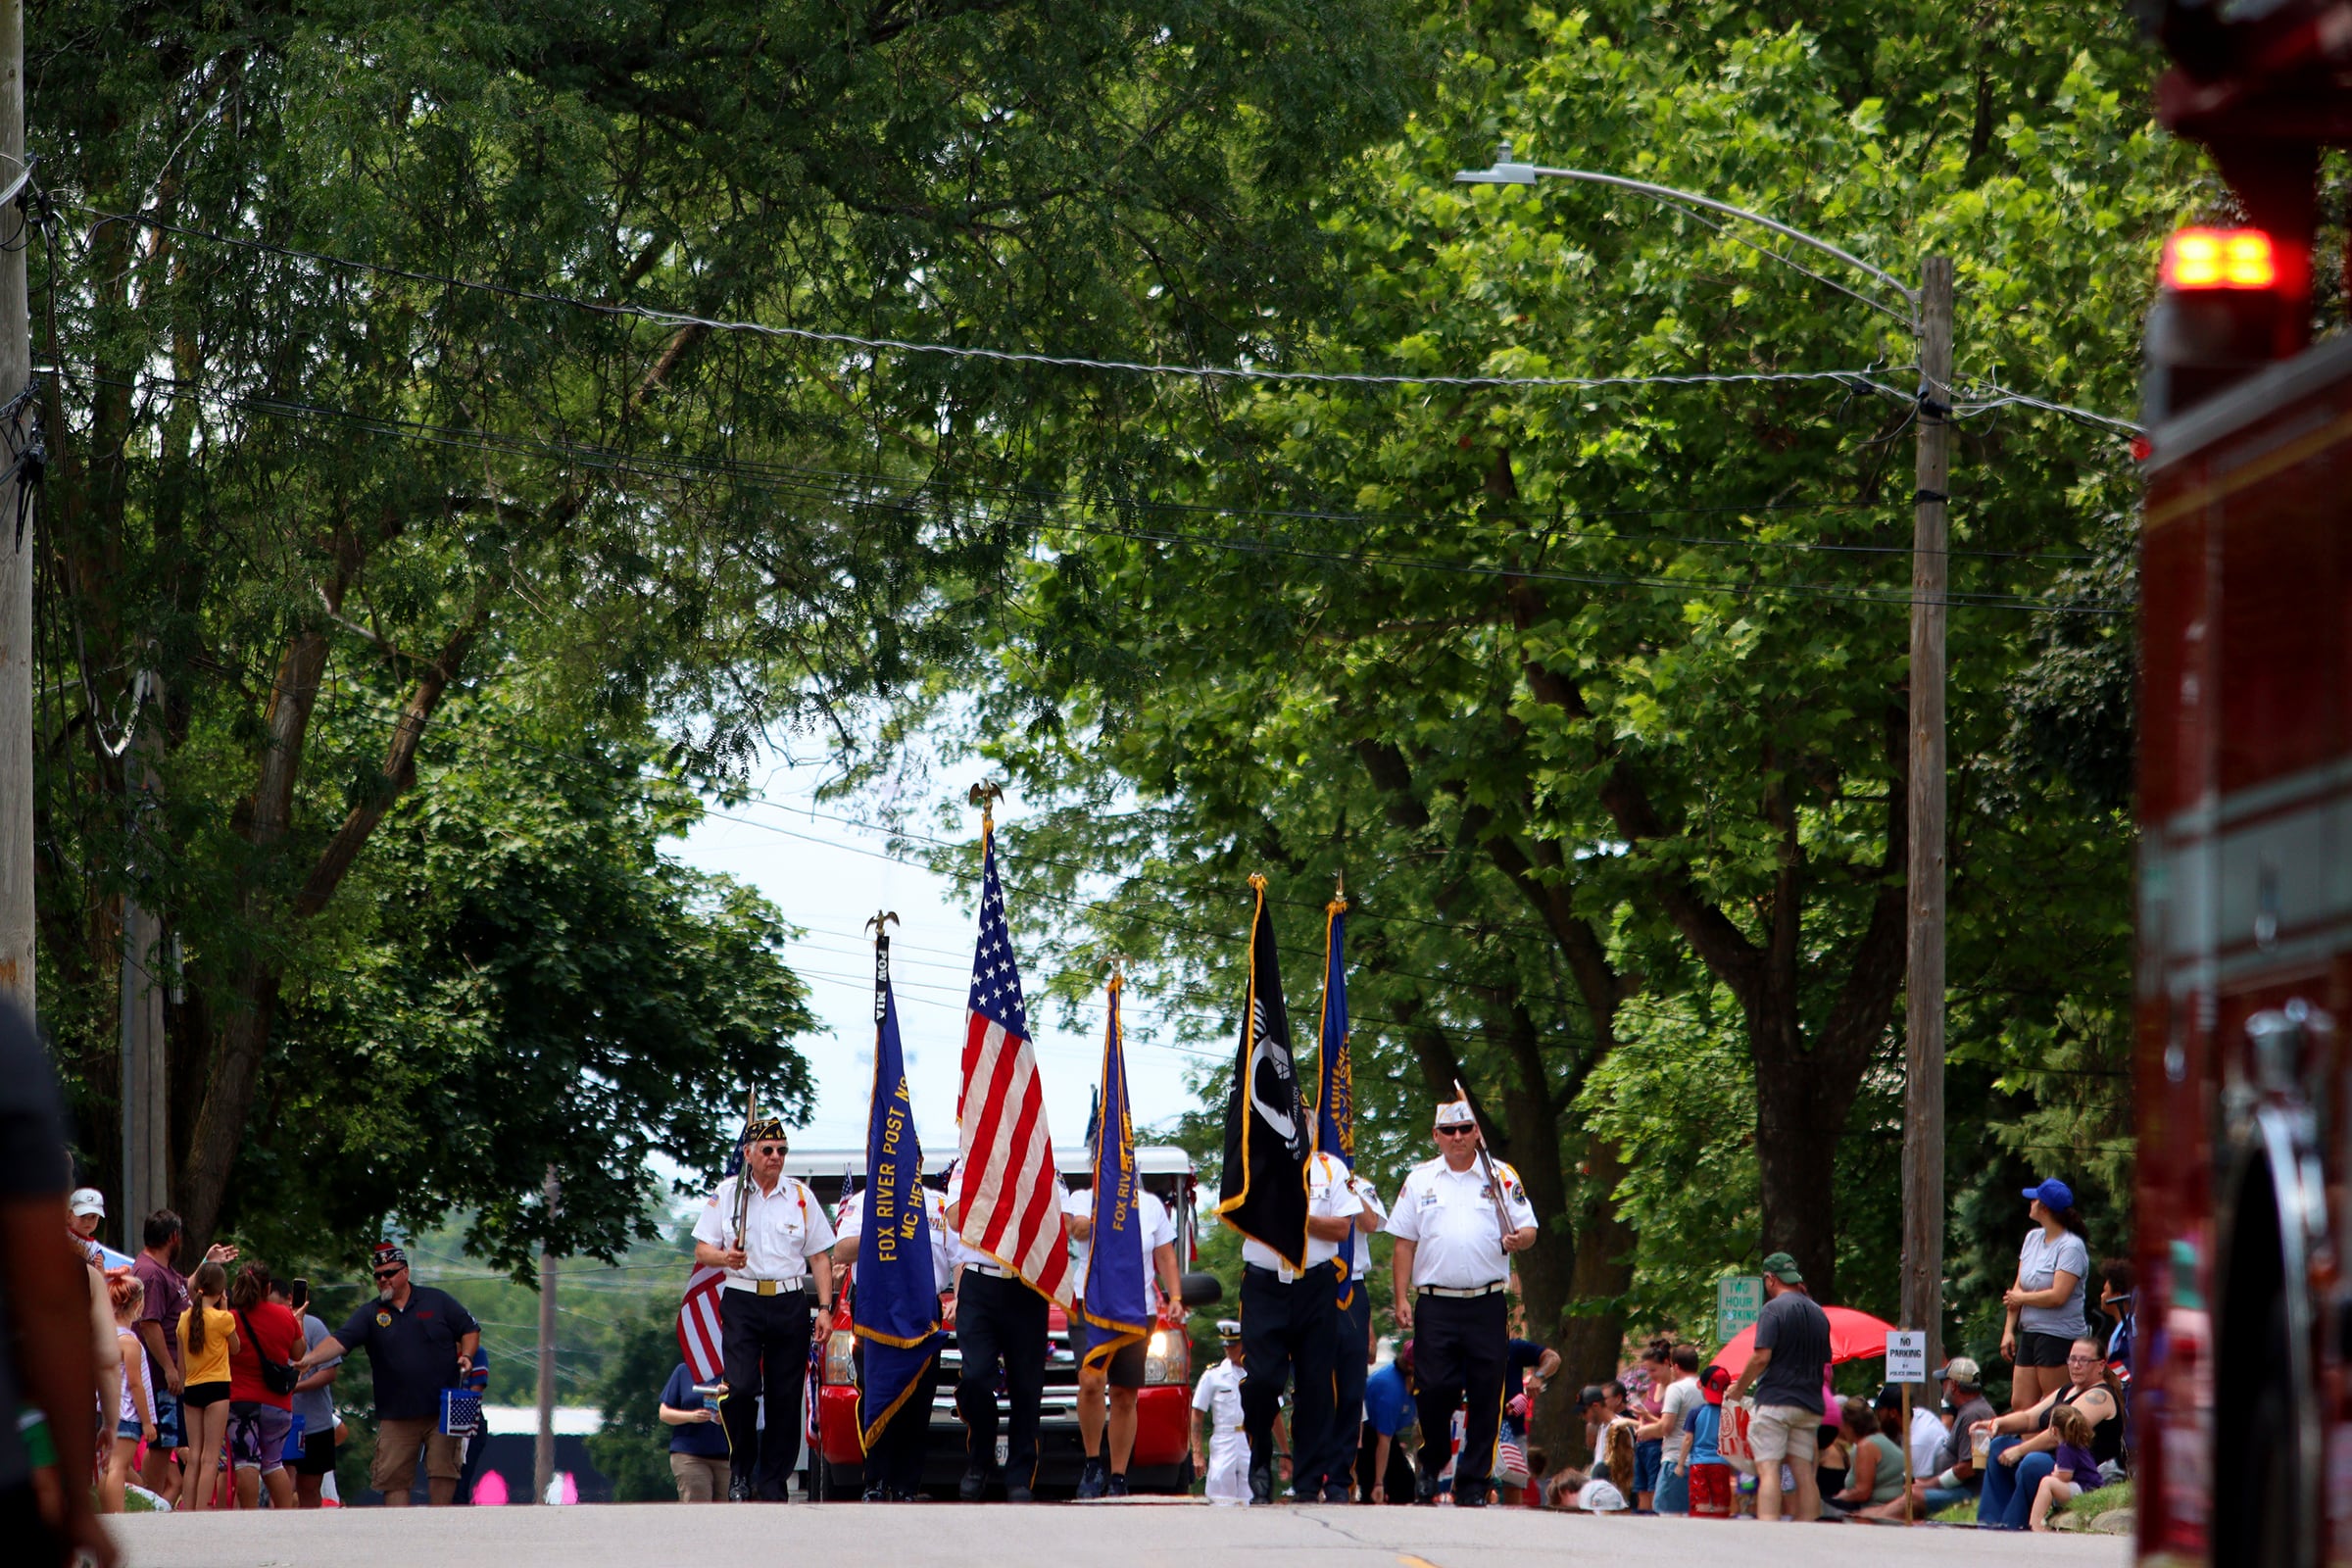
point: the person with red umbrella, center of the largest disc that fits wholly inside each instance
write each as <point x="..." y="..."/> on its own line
<point x="1792" y="1357"/>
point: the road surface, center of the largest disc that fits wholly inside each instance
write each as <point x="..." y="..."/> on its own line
<point x="1132" y="1535"/>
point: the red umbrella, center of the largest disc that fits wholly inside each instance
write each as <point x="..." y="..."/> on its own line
<point x="1853" y="1337"/>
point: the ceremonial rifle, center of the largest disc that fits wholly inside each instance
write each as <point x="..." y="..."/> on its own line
<point x="1486" y="1163"/>
<point x="743" y="1166"/>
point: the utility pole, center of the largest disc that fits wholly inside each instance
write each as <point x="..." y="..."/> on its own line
<point x="145" y="1103"/>
<point x="543" y="1453"/>
<point x="16" y="548"/>
<point x="1923" y="1056"/>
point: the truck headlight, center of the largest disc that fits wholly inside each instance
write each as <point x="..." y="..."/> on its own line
<point x="1166" y="1357"/>
<point x="841" y="1359"/>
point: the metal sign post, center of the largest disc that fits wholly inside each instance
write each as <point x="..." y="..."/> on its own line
<point x="1906" y="1364"/>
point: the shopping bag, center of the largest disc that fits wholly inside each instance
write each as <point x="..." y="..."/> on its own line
<point x="461" y="1412"/>
<point x="1731" y="1437"/>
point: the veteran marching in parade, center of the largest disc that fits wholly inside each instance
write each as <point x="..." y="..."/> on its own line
<point x="981" y="1254"/>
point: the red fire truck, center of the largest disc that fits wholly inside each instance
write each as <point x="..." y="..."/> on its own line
<point x="2242" y="1416"/>
<point x="1162" y="1460"/>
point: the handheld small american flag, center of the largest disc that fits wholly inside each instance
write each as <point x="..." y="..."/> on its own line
<point x="698" y="1327"/>
<point x="1009" y="1198"/>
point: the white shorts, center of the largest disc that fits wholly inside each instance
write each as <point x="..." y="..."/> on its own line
<point x="1787" y="1431"/>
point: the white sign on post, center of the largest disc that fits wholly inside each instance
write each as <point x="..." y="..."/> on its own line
<point x="1906" y="1356"/>
<point x="1738" y="1302"/>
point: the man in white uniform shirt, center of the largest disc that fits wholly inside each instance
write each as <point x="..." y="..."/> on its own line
<point x="1217" y="1404"/>
<point x="1291" y="1331"/>
<point x="1455" y="1230"/>
<point x="779" y="1271"/>
<point x="894" y="1465"/>
<point x="1105" y="1476"/>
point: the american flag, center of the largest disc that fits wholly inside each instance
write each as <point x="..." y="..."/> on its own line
<point x="698" y="1324"/>
<point x="1008" y="1196"/>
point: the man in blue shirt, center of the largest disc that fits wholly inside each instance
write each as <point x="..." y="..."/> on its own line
<point x="418" y="1341"/>
<point x="1382" y="1470"/>
<point x="697" y="1442"/>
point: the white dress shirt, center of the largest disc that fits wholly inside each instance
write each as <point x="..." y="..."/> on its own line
<point x="1153" y="1228"/>
<point x="1449" y="1216"/>
<point x="944" y="1247"/>
<point x="1327" y="1197"/>
<point x="782" y="1230"/>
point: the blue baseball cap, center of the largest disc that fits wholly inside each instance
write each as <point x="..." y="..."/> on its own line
<point x="2053" y="1195"/>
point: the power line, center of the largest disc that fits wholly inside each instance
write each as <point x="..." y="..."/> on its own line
<point x="683" y="466"/>
<point x="1862" y="379"/>
<point x="1358" y="558"/>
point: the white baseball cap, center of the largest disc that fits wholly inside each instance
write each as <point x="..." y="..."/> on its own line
<point x="86" y="1200"/>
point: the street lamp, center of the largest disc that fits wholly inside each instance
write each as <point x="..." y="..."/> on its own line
<point x="1929" y="316"/>
<point x="1505" y="172"/>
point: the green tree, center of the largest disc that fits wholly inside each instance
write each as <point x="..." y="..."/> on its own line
<point x="325" y="500"/>
<point x="632" y="1445"/>
<point x="1598" y="694"/>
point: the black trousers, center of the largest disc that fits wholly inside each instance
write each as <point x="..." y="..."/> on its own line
<point x="764" y="1340"/>
<point x="1459" y="1346"/>
<point x="1289" y="1333"/>
<point x="896" y="1460"/>
<point x="1349" y="1369"/>
<point x="1001" y="1322"/>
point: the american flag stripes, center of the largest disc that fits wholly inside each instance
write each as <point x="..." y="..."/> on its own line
<point x="1009" y="1198"/>
<point x="698" y="1325"/>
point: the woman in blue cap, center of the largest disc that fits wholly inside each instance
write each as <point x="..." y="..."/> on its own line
<point x="2046" y="1304"/>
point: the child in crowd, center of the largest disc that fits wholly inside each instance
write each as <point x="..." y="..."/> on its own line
<point x="1605" y="1492"/>
<point x="207" y="1338"/>
<point x="2076" y="1470"/>
<point x="1710" y="1475"/>
<point x="134" y="1420"/>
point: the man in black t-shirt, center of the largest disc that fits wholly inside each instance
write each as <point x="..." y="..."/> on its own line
<point x="1792" y="1357"/>
<point x="418" y="1341"/>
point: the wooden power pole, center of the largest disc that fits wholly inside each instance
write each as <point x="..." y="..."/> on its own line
<point x="17" y="548"/>
<point x="1923" y="1058"/>
<point x="543" y="1453"/>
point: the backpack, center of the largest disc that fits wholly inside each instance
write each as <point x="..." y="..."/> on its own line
<point x="278" y="1377"/>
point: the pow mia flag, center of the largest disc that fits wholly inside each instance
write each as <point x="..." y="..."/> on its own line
<point x="1262" y="1187"/>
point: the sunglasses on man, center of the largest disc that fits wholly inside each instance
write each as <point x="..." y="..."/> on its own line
<point x="394" y="1272"/>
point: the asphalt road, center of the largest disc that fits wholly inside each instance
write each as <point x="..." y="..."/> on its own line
<point x="1131" y="1534"/>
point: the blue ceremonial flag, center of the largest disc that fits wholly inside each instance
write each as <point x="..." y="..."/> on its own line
<point x="1335" y="1098"/>
<point x="894" y="1307"/>
<point x="1117" y="1309"/>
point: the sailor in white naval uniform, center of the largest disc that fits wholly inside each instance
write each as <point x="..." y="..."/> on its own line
<point x="1218" y="1398"/>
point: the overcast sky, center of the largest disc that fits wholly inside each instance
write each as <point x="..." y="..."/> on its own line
<point x="828" y="879"/>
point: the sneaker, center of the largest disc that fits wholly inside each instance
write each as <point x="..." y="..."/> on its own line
<point x="972" y="1487"/>
<point x="1093" y="1477"/>
<point x="1015" y="1494"/>
<point x="877" y="1493"/>
<point x="1338" y="1494"/>
<point x="1261" y="1483"/>
<point x="739" y="1488"/>
<point x="1470" y="1495"/>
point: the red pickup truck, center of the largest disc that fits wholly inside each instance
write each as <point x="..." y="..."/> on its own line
<point x="1162" y="1460"/>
